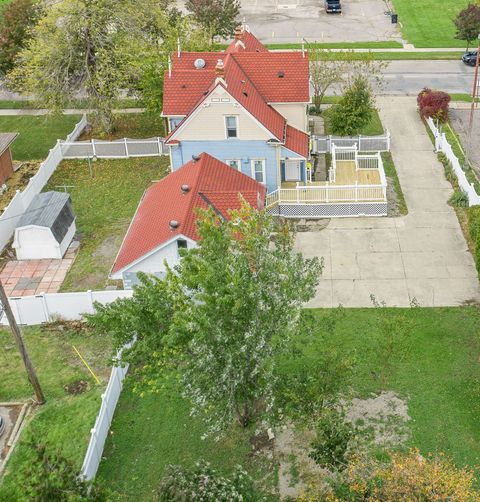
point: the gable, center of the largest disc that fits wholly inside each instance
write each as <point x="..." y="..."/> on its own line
<point x="207" y="123"/>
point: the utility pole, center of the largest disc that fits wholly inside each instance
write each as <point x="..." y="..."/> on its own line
<point x="17" y="334"/>
<point x="475" y="88"/>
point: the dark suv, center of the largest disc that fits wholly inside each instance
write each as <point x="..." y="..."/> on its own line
<point x="333" y="6"/>
<point x="470" y="58"/>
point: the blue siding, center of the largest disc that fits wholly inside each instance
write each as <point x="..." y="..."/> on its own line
<point x="231" y="149"/>
<point x="288" y="154"/>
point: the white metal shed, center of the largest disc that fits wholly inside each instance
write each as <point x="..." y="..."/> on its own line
<point x="47" y="227"/>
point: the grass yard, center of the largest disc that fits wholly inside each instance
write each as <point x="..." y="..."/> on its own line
<point x="401" y="55"/>
<point x="437" y="375"/>
<point x="429" y="23"/>
<point x="104" y="205"/>
<point x="64" y="422"/>
<point x="37" y="135"/>
<point x="373" y="128"/>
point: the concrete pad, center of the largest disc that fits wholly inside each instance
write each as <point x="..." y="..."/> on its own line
<point x="381" y="240"/>
<point x="416" y="219"/>
<point x="443" y="292"/>
<point x="431" y="239"/>
<point x="357" y="293"/>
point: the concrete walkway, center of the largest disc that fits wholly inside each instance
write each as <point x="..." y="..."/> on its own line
<point x="422" y="255"/>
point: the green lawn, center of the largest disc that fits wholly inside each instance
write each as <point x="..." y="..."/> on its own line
<point x="104" y="205"/>
<point x="37" y="135"/>
<point x="373" y="128"/>
<point x="437" y="375"/>
<point x="429" y="23"/>
<point x="395" y="56"/>
<point x="64" y="422"/>
<point x="388" y="44"/>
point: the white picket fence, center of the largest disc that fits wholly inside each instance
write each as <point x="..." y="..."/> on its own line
<point x="442" y="145"/>
<point x="36" y="309"/>
<point x="99" y="433"/>
<point x="22" y="199"/>
<point x="116" y="149"/>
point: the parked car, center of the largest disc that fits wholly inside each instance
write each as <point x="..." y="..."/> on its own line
<point x="333" y="6"/>
<point x="470" y="58"/>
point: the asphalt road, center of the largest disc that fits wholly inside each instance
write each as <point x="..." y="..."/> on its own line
<point x="406" y="77"/>
<point x="409" y="77"/>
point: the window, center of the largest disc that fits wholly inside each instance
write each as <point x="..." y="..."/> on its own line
<point x="231" y="126"/>
<point x="174" y="121"/>
<point x="181" y="244"/>
<point x="258" y="170"/>
<point x="235" y="163"/>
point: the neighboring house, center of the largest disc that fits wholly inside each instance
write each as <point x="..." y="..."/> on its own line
<point x="245" y="106"/>
<point x="165" y="220"/>
<point x="6" y="163"/>
<point x="47" y="227"/>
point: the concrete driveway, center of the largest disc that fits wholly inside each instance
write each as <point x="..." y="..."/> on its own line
<point x="422" y="255"/>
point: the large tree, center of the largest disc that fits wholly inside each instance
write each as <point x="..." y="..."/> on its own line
<point x="17" y="18"/>
<point x="467" y="23"/>
<point x="97" y="50"/>
<point x="222" y="317"/>
<point x="217" y="17"/>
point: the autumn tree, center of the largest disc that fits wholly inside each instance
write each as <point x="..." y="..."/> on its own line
<point x="221" y="317"/>
<point x="217" y="17"/>
<point x="17" y="18"/>
<point x="467" y="23"/>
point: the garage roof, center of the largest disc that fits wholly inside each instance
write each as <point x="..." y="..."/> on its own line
<point x="6" y="139"/>
<point x="52" y="210"/>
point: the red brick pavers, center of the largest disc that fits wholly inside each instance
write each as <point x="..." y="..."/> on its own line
<point x="32" y="277"/>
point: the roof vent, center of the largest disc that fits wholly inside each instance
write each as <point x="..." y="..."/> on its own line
<point x="245" y="93"/>
<point x="280" y="74"/>
<point x="199" y="63"/>
<point x="195" y="158"/>
<point x="185" y="189"/>
<point x="173" y="224"/>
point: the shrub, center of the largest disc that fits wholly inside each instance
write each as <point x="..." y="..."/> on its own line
<point x="433" y="104"/>
<point x="204" y="484"/>
<point x="459" y="199"/>
<point x="333" y="435"/>
<point x="354" y="110"/>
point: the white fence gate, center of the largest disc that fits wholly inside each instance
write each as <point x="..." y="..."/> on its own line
<point x="20" y="202"/>
<point x="323" y="144"/>
<point x="442" y="145"/>
<point x="117" y="149"/>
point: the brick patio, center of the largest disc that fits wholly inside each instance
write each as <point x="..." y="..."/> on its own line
<point x="32" y="277"/>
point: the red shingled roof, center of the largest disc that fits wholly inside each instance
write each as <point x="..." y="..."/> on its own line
<point x="297" y="141"/>
<point x="209" y="180"/>
<point x="249" y="43"/>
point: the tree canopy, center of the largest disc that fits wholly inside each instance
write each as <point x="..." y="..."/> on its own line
<point x="467" y="23"/>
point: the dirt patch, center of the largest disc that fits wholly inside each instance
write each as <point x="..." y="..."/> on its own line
<point x="317" y="225"/>
<point x="108" y="248"/>
<point x="393" y="204"/>
<point x="77" y="387"/>
<point x="18" y="181"/>
<point x="62" y="325"/>
<point x="381" y="419"/>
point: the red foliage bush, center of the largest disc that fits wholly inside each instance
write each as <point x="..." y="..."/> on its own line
<point x="433" y="104"/>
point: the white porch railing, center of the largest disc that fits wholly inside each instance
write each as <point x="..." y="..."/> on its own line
<point x="323" y="144"/>
<point x="327" y="194"/>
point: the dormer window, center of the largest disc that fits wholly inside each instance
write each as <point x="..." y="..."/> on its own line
<point x="231" y="126"/>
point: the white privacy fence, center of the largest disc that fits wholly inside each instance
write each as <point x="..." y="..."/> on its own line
<point x="22" y="199"/>
<point x="103" y="421"/>
<point x="323" y="144"/>
<point x="36" y="309"/>
<point x="116" y="149"/>
<point x="442" y="145"/>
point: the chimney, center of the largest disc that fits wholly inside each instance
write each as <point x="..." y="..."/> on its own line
<point x="238" y="34"/>
<point x="219" y="69"/>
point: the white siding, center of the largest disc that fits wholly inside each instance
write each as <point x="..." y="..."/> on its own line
<point x="208" y="123"/>
<point x="295" y="113"/>
<point x="32" y="243"/>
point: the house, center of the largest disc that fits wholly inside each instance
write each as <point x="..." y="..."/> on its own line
<point x="6" y="163"/>
<point x="47" y="227"/>
<point x="245" y="106"/>
<point x="165" y="220"/>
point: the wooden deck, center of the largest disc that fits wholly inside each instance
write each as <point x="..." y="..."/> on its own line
<point x="346" y="175"/>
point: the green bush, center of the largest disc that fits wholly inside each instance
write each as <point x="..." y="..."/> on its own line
<point x="333" y="435"/>
<point x="474" y="230"/>
<point x="459" y="199"/>
<point x="204" y="484"/>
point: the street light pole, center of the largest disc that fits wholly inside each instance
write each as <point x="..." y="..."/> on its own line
<point x="475" y="87"/>
<point x="17" y="334"/>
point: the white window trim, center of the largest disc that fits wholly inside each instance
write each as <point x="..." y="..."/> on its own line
<point x="227" y="161"/>
<point x="236" y="126"/>
<point x="252" y="167"/>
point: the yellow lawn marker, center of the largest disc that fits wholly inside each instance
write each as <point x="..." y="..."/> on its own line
<point x="86" y="364"/>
